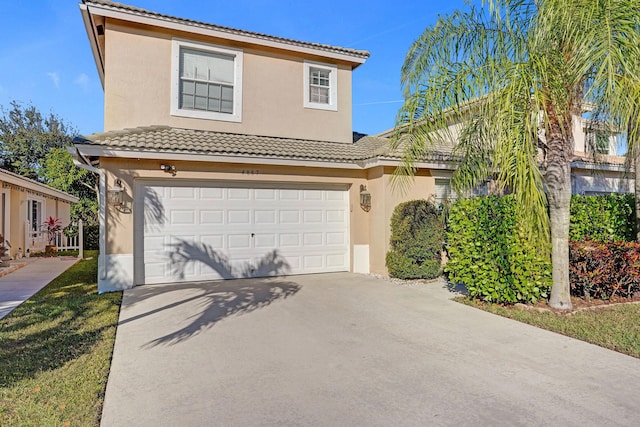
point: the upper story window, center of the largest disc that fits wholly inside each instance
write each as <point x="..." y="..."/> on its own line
<point x="597" y="142"/>
<point x="320" y="86"/>
<point x="206" y="81"/>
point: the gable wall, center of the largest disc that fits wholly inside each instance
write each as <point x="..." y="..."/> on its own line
<point x="138" y="89"/>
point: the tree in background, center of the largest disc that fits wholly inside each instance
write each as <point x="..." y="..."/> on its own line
<point x="515" y="73"/>
<point x="34" y="146"/>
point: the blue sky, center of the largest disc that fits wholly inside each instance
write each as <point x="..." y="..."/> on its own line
<point x="45" y="57"/>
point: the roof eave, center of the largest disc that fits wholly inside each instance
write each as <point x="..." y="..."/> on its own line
<point x="356" y="59"/>
<point x="30" y="184"/>
<point x="98" y="56"/>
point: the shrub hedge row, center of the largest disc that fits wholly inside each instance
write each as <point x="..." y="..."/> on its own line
<point x="603" y="218"/>
<point x="490" y="253"/>
<point x="417" y="235"/>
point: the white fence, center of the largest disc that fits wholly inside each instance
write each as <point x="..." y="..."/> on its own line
<point x="36" y="241"/>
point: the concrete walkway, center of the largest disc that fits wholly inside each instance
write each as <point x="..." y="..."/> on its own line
<point x="350" y="350"/>
<point x="19" y="285"/>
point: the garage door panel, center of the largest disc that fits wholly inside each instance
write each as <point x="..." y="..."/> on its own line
<point x="265" y="194"/>
<point x="225" y="232"/>
<point x="262" y="217"/>
<point x="239" y="216"/>
<point x="238" y="241"/>
<point x="181" y="193"/>
<point x="211" y="217"/>
<point x="264" y="241"/>
<point x="336" y="260"/>
<point x="312" y="217"/>
<point x="289" y="240"/>
<point x="213" y="241"/>
<point x="182" y="217"/>
<point x="336" y="238"/>
<point x="312" y="239"/>
<point x="207" y="193"/>
<point x="289" y="217"/>
<point x="239" y="194"/>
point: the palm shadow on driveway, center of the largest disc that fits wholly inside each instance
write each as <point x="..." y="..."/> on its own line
<point x="215" y="299"/>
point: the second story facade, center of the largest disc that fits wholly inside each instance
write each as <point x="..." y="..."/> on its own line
<point x="161" y="70"/>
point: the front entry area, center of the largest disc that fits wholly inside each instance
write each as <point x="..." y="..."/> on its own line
<point x="194" y="231"/>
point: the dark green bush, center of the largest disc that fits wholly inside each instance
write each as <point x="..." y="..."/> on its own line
<point x="417" y="235"/>
<point x="490" y="253"/>
<point x="603" y="218"/>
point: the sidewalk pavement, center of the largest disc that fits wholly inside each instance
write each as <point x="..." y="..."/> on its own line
<point x="19" y="285"/>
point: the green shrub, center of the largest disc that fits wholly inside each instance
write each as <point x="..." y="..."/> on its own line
<point x="604" y="270"/>
<point x="417" y="235"/>
<point x="490" y="253"/>
<point x="603" y="218"/>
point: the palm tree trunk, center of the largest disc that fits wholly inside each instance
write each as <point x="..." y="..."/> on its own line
<point x="559" y="196"/>
<point x="558" y="184"/>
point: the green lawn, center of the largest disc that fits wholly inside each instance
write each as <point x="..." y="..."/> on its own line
<point x="55" y="352"/>
<point x="614" y="327"/>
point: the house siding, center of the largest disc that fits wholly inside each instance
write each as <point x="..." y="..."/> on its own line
<point x="138" y="61"/>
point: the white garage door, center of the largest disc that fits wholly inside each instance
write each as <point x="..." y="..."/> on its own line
<point x="196" y="231"/>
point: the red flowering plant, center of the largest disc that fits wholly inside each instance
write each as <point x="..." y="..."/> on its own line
<point x="54" y="227"/>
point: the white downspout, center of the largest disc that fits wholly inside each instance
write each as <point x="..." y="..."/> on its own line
<point x="102" y="269"/>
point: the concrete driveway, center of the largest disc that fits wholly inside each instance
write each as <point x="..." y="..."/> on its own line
<point x="350" y="350"/>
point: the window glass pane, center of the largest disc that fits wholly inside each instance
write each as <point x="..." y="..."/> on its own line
<point x="214" y="104"/>
<point x="201" y="89"/>
<point x="226" y="107"/>
<point x="187" y="101"/>
<point x="188" y="87"/>
<point x="200" y="103"/>
<point x="214" y="91"/>
<point x="319" y="77"/>
<point x="196" y="64"/>
<point x="227" y="93"/>
<point x="319" y="95"/>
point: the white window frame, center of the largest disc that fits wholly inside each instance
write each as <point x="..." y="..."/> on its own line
<point x="36" y="227"/>
<point x="333" y="86"/>
<point x="236" y="116"/>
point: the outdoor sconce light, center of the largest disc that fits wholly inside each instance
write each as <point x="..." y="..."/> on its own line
<point x="365" y="198"/>
<point x="115" y="194"/>
<point x="169" y="169"/>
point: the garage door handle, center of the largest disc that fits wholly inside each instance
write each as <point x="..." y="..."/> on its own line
<point x="253" y="234"/>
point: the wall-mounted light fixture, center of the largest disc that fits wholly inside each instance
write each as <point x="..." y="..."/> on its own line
<point x="365" y="198"/>
<point x="115" y="194"/>
<point x="169" y="169"/>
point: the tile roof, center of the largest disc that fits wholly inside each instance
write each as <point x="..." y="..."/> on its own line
<point x="362" y="54"/>
<point x="189" y="141"/>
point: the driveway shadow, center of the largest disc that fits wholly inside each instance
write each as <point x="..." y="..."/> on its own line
<point x="216" y="301"/>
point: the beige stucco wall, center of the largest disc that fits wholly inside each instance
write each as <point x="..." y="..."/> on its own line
<point x="138" y="62"/>
<point x="366" y="228"/>
<point x="386" y="196"/>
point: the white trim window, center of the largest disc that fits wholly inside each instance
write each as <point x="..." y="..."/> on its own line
<point x="35" y="214"/>
<point x="206" y="81"/>
<point x="320" y="86"/>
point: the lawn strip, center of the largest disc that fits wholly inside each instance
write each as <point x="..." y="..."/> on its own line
<point x="55" y="352"/>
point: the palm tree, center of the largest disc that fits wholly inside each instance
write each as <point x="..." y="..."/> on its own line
<point x="506" y="81"/>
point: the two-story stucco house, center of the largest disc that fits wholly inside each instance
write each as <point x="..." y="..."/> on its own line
<point x="229" y="153"/>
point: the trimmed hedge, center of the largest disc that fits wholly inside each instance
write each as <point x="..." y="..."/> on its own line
<point x="604" y="270"/>
<point x="603" y="218"/>
<point x="489" y="252"/>
<point x="417" y="236"/>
